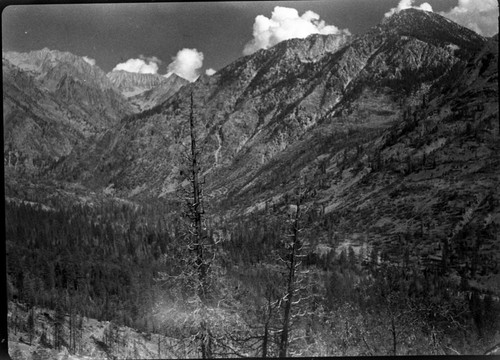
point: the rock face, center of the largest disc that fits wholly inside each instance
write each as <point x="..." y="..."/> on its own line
<point x="145" y="91"/>
<point x="131" y="84"/>
<point x="158" y="94"/>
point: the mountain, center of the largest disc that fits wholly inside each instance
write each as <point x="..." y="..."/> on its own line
<point x="394" y="130"/>
<point x="253" y="113"/>
<point x="38" y="127"/>
<point x="391" y="136"/>
<point x="159" y="94"/>
<point x="381" y="125"/>
<point x="53" y="102"/>
<point x="145" y="91"/>
<point x="428" y="183"/>
<point x="74" y="81"/>
<point x="131" y="84"/>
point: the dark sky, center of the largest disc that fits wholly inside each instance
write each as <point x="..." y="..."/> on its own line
<point x="114" y="33"/>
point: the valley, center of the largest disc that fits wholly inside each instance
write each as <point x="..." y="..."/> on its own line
<point x="335" y="195"/>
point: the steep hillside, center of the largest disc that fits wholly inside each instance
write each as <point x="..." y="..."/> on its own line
<point x="75" y="82"/>
<point x="96" y="339"/>
<point x="36" y="128"/>
<point x="131" y="84"/>
<point x="257" y="115"/>
<point x="430" y="183"/>
<point x="158" y="94"/>
<point x="53" y="101"/>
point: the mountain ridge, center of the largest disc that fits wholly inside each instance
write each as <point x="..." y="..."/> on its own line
<point x="131" y="84"/>
<point x="257" y="106"/>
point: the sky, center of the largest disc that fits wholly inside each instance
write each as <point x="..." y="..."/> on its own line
<point x="191" y="38"/>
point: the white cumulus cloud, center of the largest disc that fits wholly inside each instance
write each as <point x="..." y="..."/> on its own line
<point x="186" y="64"/>
<point x="285" y="23"/>
<point x="141" y="66"/>
<point x="150" y="59"/>
<point x="408" y="4"/>
<point x="89" y="60"/>
<point x="480" y="16"/>
<point x="210" y="72"/>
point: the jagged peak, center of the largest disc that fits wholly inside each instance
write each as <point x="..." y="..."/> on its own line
<point x="431" y="27"/>
<point x="35" y="58"/>
<point x="57" y="64"/>
<point x="116" y="73"/>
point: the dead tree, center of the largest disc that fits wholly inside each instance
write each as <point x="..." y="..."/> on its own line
<point x="196" y="213"/>
<point x="293" y="262"/>
<point x="197" y="234"/>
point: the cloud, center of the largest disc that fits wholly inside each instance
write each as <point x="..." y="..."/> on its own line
<point x="210" y="72"/>
<point x="151" y="59"/>
<point x="407" y="4"/>
<point x="285" y="23"/>
<point x="186" y="64"/>
<point x="480" y="16"/>
<point x="141" y="66"/>
<point x="89" y="60"/>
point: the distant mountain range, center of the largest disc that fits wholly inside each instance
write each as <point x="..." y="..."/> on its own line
<point x="145" y="91"/>
<point x="396" y="130"/>
<point x="54" y="101"/>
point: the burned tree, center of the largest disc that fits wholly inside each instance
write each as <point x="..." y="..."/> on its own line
<point x="294" y="252"/>
<point x="195" y="213"/>
<point x="197" y="235"/>
<point x="199" y="255"/>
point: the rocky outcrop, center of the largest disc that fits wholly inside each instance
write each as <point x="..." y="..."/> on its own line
<point x="131" y="84"/>
<point x="159" y="93"/>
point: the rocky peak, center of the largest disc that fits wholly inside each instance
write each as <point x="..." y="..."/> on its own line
<point x="50" y="66"/>
<point x="158" y="94"/>
<point x="54" y="101"/>
<point x="432" y="28"/>
<point x="314" y="46"/>
<point x="131" y="84"/>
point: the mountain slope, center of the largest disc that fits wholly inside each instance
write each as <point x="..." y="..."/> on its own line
<point x="159" y="93"/>
<point x="53" y="101"/>
<point x="37" y="127"/>
<point x="131" y="84"/>
<point x="74" y="81"/>
<point x="429" y="183"/>
<point x="253" y="113"/>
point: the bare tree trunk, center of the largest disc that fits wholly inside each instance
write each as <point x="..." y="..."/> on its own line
<point x="265" y="339"/>
<point x="290" y="283"/>
<point x="394" y="337"/>
<point x="199" y="237"/>
<point x="268" y="311"/>
<point x="197" y="210"/>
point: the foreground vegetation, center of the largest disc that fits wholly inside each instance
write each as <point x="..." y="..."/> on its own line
<point x="125" y="265"/>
